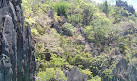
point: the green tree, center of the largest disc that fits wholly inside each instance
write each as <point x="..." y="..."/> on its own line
<point x="61" y="8"/>
<point x="88" y="11"/>
<point x="106" y="8"/>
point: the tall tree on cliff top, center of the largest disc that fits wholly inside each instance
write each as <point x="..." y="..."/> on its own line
<point x="106" y="8"/>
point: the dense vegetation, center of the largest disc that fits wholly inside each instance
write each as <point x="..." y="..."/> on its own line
<point x="80" y="33"/>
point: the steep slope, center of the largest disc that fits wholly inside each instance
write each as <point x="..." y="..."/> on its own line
<point x="17" y="60"/>
<point x="69" y="33"/>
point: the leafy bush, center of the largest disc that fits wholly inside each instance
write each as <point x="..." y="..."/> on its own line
<point x="40" y="29"/>
<point x="89" y="33"/>
<point x="88" y="73"/>
<point x="117" y="14"/>
<point x="51" y="74"/>
<point x="122" y="48"/>
<point x="68" y="29"/>
<point x="107" y="73"/>
<point x="96" y="78"/>
<point x="57" y="61"/>
<point x="99" y="29"/>
<point x="77" y="60"/>
<point x="88" y="11"/>
<point x="47" y="75"/>
<point x="98" y="63"/>
<point x="61" y="8"/>
<point x="75" y="18"/>
<point x="34" y="31"/>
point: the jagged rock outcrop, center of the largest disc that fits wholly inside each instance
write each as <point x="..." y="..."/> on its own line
<point x="123" y="72"/>
<point x="17" y="60"/>
<point x="75" y="75"/>
<point x="124" y="4"/>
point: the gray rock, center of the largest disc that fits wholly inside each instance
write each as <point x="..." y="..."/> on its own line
<point x="75" y="75"/>
<point x="17" y="59"/>
<point x="123" y="72"/>
<point x="51" y="12"/>
<point x="66" y="72"/>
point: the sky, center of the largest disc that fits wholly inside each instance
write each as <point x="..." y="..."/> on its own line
<point x="130" y="2"/>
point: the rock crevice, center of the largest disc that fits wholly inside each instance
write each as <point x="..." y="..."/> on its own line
<point x="17" y="60"/>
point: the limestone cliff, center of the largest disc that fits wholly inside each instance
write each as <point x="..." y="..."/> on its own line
<point x="17" y="60"/>
<point x="76" y="75"/>
<point x="123" y="72"/>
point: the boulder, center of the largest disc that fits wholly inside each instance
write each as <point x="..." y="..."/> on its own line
<point x="75" y="75"/>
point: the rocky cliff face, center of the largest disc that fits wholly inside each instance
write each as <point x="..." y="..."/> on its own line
<point x="123" y="72"/>
<point x="17" y="60"/>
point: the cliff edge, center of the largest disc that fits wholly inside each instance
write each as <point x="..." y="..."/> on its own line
<point x="17" y="59"/>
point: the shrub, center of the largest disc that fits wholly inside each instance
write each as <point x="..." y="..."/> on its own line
<point x="68" y="29"/>
<point x="76" y="18"/>
<point x="122" y="48"/>
<point x="40" y="29"/>
<point x="34" y="31"/>
<point x="57" y="61"/>
<point x="89" y="33"/>
<point x="77" y="60"/>
<point x="96" y="78"/>
<point x="47" y="75"/>
<point x="88" y="11"/>
<point x="61" y="8"/>
<point x="98" y="63"/>
<point x="107" y="73"/>
<point x="99" y="30"/>
<point x="88" y="73"/>
<point x="51" y="74"/>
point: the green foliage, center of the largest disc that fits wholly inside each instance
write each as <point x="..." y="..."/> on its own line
<point x="47" y="75"/>
<point x="100" y="29"/>
<point x="120" y="14"/>
<point x="77" y="60"/>
<point x="96" y="78"/>
<point x="57" y="61"/>
<point x="50" y="75"/>
<point x="61" y="8"/>
<point x="86" y="37"/>
<point x="68" y="29"/>
<point x="107" y="73"/>
<point x="88" y="11"/>
<point x="89" y="33"/>
<point x="132" y="17"/>
<point x="75" y="18"/>
<point x="125" y="13"/>
<point x="31" y="8"/>
<point x="40" y="29"/>
<point x="34" y="31"/>
<point x="88" y="73"/>
<point x="122" y="48"/>
<point x="99" y="62"/>
<point x="106" y="8"/>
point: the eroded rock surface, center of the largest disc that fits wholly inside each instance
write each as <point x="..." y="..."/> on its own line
<point x="123" y="72"/>
<point x="75" y="75"/>
<point x="17" y="60"/>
